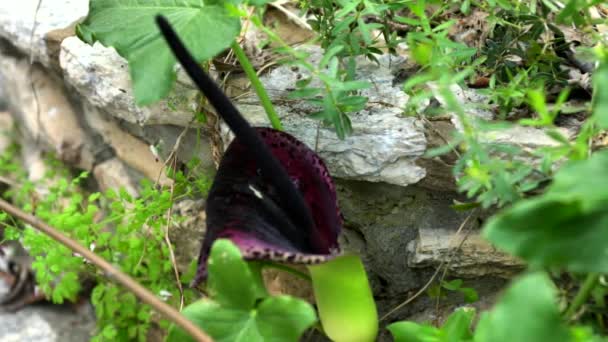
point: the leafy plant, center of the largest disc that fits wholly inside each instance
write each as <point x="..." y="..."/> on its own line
<point x="239" y="308"/>
<point x="456" y="328"/>
<point x="130" y="28"/>
<point x="455" y="285"/>
<point x="131" y="234"/>
<point x="561" y="229"/>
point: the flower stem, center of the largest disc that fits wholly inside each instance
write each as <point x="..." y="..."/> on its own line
<point x="297" y="273"/>
<point x="583" y="294"/>
<point x="257" y="85"/>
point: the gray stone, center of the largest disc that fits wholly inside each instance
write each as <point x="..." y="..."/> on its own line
<point x="194" y="143"/>
<point x="101" y="76"/>
<point x="187" y="234"/>
<point x="384" y="145"/>
<point x="465" y="254"/>
<point x="48" y="323"/>
<point x="47" y="18"/>
<point x="381" y="219"/>
<point x="38" y="99"/>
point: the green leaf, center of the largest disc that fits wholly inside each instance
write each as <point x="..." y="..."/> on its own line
<point x="129" y="26"/>
<point x="600" y="95"/>
<point x="458" y="325"/>
<point x="304" y="93"/>
<point x="413" y="332"/>
<point x="258" y="3"/>
<point x="280" y="318"/>
<point x="549" y="231"/>
<point x="231" y="282"/>
<point x="352" y="85"/>
<point x="344" y="297"/>
<point x="526" y="312"/>
<point x="457" y="328"/>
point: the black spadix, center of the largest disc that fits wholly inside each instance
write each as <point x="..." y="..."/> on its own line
<point x="272" y="195"/>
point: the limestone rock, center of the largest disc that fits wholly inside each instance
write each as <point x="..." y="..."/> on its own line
<point x="6" y="128"/>
<point x="129" y="149"/>
<point x="193" y="143"/>
<point x="45" y="111"/>
<point x="384" y="145"/>
<point x="475" y="257"/>
<point x="381" y="219"/>
<point x="113" y="174"/>
<point x="101" y="76"/>
<point x="50" y="20"/>
<point x="48" y="323"/>
<point x="188" y="233"/>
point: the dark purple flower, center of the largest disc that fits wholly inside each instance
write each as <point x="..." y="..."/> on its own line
<point x="272" y="195"/>
<point x="245" y="208"/>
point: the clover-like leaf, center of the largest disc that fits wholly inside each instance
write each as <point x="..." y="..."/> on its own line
<point x="548" y="231"/>
<point x="129" y="27"/>
<point x="280" y="318"/>
<point x="526" y="312"/>
<point x="231" y="281"/>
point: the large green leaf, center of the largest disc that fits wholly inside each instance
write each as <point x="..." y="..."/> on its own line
<point x="276" y="319"/>
<point x="550" y="230"/>
<point x="231" y="282"/>
<point x="579" y="180"/>
<point x="239" y="308"/>
<point x="526" y="312"/>
<point x="344" y="299"/>
<point x="600" y="94"/>
<point x="129" y="26"/>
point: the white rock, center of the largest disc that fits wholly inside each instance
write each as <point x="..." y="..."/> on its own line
<point x="18" y="18"/>
<point x="475" y="257"/>
<point x="101" y="76"/>
<point x="128" y="148"/>
<point x="384" y="144"/>
<point x="40" y="102"/>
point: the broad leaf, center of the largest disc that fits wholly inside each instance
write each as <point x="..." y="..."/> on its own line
<point x="344" y="299"/>
<point x="275" y="319"/>
<point x="549" y="231"/>
<point x="129" y="27"/>
<point x="231" y="281"/>
<point x="526" y="312"/>
<point x="600" y="95"/>
<point x="239" y="308"/>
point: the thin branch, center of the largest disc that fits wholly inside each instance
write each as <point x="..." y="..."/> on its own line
<point x="110" y="272"/>
<point x="168" y="242"/>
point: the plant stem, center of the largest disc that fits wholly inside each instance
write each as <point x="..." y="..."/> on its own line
<point x="110" y="272"/>
<point x="583" y="293"/>
<point x="297" y="273"/>
<point x="257" y="85"/>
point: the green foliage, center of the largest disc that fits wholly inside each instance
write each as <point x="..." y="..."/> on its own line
<point x="526" y="312"/>
<point x="131" y="236"/>
<point x="469" y="293"/>
<point x="548" y="230"/>
<point x="456" y="328"/>
<point x="563" y="228"/>
<point x="335" y="96"/>
<point x="129" y="27"/>
<point x="239" y="309"/>
<point x="343" y="294"/>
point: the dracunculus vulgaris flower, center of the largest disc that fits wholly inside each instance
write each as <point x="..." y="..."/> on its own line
<point x="274" y="198"/>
